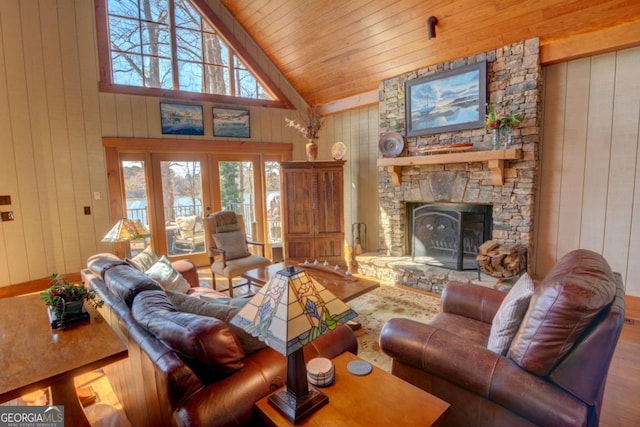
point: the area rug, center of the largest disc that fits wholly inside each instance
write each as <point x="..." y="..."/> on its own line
<point x="382" y="304"/>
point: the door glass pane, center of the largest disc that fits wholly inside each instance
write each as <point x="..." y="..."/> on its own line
<point x="135" y="194"/>
<point x="272" y="200"/>
<point x="182" y="206"/>
<point x="237" y="192"/>
<point x="274" y="225"/>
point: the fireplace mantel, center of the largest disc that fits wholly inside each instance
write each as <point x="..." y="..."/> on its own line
<point x="494" y="158"/>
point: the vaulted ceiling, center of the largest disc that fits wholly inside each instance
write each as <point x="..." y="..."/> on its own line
<point x="334" y="49"/>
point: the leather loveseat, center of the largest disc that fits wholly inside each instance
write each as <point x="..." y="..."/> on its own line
<point x="555" y="369"/>
<point x="186" y="369"/>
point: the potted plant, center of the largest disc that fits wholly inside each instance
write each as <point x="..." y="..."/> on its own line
<point x="65" y="301"/>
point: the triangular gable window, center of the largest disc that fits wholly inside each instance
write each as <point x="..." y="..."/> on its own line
<point x="177" y="48"/>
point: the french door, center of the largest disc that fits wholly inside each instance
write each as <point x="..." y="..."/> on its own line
<point x="171" y="192"/>
<point x="182" y="198"/>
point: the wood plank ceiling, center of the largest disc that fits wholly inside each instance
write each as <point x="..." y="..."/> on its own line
<point x="333" y="49"/>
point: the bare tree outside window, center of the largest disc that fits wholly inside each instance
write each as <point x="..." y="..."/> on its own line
<point x="141" y="36"/>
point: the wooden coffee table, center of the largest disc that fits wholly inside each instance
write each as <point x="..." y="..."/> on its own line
<point x="376" y="399"/>
<point x="345" y="288"/>
<point x="35" y="356"/>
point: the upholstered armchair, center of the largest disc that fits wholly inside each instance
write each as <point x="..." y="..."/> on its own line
<point x="553" y="371"/>
<point x="228" y="247"/>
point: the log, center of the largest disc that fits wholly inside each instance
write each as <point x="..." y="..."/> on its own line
<point x="500" y="260"/>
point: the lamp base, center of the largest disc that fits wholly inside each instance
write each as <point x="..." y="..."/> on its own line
<point x="297" y="408"/>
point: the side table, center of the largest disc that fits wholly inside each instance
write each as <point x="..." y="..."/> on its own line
<point x="35" y="356"/>
<point x="375" y="400"/>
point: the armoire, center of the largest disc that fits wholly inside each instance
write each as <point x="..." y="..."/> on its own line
<point x="313" y="204"/>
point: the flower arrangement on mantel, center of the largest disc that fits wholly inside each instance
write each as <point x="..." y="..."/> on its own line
<point x="500" y="121"/>
<point x="60" y="293"/>
<point x="311" y="127"/>
<point x="499" y="118"/>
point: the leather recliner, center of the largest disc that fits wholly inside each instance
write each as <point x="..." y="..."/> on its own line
<point x="555" y="370"/>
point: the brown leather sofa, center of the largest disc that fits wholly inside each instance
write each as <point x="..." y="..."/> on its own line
<point x="555" y="370"/>
<point x="159" y="384"/>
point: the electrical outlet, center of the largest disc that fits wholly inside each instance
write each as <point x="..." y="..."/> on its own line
<point x="5" y="200"/>
<point x="6" y="216"/>
<point x="87" y="210"/>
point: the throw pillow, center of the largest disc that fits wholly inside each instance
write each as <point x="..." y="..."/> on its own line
<point x="224" y="310"/>
<point x="164" y="273"/>
<point x="233" y="242"/>
<point x="509" y="316"/>
<point x="144" y="260"/>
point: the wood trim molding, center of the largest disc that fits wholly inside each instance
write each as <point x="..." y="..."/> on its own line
<point x="350" y="103"/>
<point x="170" y="145"/>
<point x="597" y="42"/>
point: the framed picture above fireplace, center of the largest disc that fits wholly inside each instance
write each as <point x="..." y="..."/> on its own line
<point x="447" y="101"/>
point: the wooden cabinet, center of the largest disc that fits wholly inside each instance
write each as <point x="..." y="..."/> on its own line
<point x="312" y="206"/>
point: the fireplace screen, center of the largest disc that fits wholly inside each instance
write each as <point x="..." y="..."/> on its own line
<point x="448" y="235"/>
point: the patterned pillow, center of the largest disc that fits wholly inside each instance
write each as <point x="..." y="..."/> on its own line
<point x="509" y="316"/>
<point x="144" y="260"/>
<point x="164" y="273"/>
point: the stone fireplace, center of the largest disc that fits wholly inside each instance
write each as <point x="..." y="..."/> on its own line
<point x="503" y="180"/>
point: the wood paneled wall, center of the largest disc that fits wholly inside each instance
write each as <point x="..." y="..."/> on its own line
<point x="358" y="130"/>
<point x="52" y="119"/>
<point x="590" y="163"/>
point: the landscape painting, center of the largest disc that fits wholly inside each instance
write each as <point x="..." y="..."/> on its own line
<point x="231" y="122"/>
<point x="447" y="101"/>
<point x="181" y="119"/>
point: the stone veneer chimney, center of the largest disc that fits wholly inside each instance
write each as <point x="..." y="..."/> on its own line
<point x="513" y="73"/>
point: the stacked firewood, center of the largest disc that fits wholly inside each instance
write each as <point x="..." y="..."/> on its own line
<point x="501" y="260"/>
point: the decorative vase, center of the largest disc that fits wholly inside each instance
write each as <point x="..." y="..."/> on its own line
<point x="505" y="137"/>
<point x="312" y="150"/>
<point x="495" y="140"/>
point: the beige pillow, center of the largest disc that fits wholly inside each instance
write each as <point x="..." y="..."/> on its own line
<point x="144" y="260"/>
<point x="233" y="242"/>
<point x="509" y="316"/>
<point x="164" y="273"/>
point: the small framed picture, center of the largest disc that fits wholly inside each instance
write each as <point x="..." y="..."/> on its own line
<point x="231" y="122"/>
<point x="181" y="119"/>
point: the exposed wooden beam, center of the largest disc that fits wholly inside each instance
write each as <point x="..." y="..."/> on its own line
<point x="350" y="103"/>
<point x="587" y="44"/>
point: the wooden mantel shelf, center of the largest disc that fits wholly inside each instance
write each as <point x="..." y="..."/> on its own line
<point x="494" y="158"/>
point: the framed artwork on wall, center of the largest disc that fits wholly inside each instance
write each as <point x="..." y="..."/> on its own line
<point x="231" y="122"/>
<point x="181" y="119"/>
<point x="447" y="101"/>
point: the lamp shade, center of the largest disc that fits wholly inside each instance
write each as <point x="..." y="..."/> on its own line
<point x="291" y="310"/>
<point x="125" y="230"/>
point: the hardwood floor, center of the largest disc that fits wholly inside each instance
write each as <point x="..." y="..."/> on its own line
<point x="620" y="405"/>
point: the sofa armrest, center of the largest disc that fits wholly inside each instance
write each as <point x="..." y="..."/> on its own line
<point x="480" y="371"/>
<point x="472" y="301"/>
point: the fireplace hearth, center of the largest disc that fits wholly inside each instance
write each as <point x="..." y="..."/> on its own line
<point x="448" y="234"/>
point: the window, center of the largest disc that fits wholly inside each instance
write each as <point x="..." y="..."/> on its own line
<point x="178" y="46"/>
